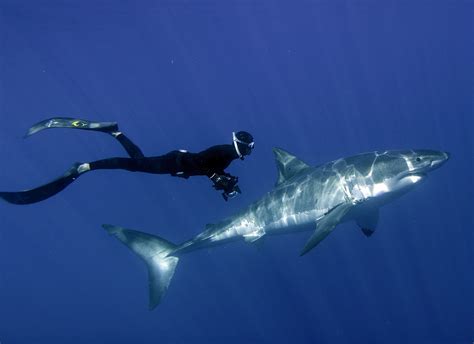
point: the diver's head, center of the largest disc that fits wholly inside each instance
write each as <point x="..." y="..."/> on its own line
<point x="243" y="143"/>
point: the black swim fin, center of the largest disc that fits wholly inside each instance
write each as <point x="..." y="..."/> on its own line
<point x="44" y="191"/>
<point x="73" y="123"/>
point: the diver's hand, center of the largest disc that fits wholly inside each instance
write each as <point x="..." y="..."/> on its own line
<point x="227" y="183"/>
<point x="236" y="190"/>
<point x="222" y="182"/>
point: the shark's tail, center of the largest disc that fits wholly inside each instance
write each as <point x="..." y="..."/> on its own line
<point x="155" y="252"/>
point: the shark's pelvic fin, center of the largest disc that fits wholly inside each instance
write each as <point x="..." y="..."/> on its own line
<point x="367" y="231"/>
<point x="368" y="222"/>
<point x="288" y="165"/>
<point x="155" y="251"/>
<point x="326" y="225"/>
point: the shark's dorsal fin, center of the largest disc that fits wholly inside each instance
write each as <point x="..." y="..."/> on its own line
<point x="288" y="165"/>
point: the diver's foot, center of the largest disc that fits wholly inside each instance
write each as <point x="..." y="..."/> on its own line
<point x="116" y="133"/>
<point x="77" y="169"/>
<point x="82" y="168"/>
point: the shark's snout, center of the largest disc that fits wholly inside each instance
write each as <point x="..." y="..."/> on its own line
<point x="440" y="159"/>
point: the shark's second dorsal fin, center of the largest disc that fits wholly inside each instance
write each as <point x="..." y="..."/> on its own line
<point x="288" y="165"/>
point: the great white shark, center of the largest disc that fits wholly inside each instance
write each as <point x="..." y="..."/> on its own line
<point x="304" y="198"/>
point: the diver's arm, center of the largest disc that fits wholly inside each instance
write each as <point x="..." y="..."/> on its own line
<point x="223" y="181"/>
<point x="214" y="160"/>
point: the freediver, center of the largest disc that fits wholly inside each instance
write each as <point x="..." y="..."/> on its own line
<point x="179" y="163"/>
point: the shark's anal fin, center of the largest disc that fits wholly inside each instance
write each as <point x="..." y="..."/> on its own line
<point x="368" y="221"/>
<point x="326" y="225"/>
<point x="288" y="165"/>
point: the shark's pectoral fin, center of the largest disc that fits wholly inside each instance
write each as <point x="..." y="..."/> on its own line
<point x="368" y="222"/>
<point x="326" y="225"/>
<point x="319" y="234"/>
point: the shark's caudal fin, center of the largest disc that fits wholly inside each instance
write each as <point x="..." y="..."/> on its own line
<point x="155" y="252"/>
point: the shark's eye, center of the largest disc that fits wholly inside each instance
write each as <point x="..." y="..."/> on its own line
<point x="418" y="159"/>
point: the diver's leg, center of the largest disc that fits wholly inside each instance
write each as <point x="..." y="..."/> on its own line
<point x="52" y="188"/>
<point x="44" y="191"/>
<point x="129" y="164"/>
<point x="83" y="124"/>
<point x="132" y="149"/>
<point x="164" y="164"/>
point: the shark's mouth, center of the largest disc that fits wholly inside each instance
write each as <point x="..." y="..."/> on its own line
<point x="415" y="177"/>
<point x="411" y="174"/>
<point x="410" y="178"/>
<point x="418" y="174"/>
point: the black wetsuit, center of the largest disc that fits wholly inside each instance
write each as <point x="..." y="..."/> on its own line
<point x="211" y="162"/>
<point x="177" y="163"/>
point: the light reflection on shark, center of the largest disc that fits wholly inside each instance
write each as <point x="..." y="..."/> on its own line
<point x="304" y="198"/>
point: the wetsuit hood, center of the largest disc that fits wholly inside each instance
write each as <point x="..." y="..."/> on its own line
<point x="243" y="143"/>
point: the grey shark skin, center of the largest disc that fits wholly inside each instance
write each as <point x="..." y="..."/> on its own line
<point x="304" y="198"/>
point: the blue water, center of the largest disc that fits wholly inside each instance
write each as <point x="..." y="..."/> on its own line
<point x="321" y="79"/>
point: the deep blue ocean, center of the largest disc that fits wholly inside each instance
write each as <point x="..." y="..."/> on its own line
<point x="321" y="79"/>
